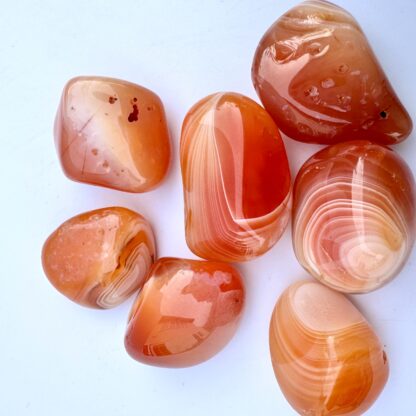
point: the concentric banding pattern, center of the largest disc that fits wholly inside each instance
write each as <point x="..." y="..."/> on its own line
<point x="100" y="258"/>
<point x="214" y="228"/>
<point x="353" y="223"/>
<point x="138" y="253"/>
<point x="326" y="357"/>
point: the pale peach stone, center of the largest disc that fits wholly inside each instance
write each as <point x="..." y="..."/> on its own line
<point x="354" y="215"/>
<point x="112" y="133"/>
<point x="326" y="357"/>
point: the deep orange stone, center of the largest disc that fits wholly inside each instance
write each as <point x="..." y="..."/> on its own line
<point x="318" y="77"/>
<point x="236" y="178"/>
<point x="99" y="258"/>
<point x="186" y="312"/>
<point x="112" y="133"/>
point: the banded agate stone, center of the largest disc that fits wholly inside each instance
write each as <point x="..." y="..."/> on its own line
<point x="354" y="215"/>
<point x="100" y="258"/>
<point x="318" y="77"/>
<point x="187" y="312"/>
<point x="326" y="357"/>
<point x="112" y="133"/>
<point x="236" y="178"/>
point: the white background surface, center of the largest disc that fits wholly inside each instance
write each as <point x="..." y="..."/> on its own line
<point x="57" y="358"/>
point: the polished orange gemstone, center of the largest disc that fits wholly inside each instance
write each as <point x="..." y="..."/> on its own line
<point x="99" y="258"/>
<point x="326" y="357"/>
<point x="236" y="178"/>
<point x="112" y="133"/>
<point x="354" y="215"/>
<point x="318" y="77"/>
<point x="187" y="312"/>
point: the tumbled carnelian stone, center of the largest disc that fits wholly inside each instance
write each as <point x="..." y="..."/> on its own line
<point x="187" y="312"/>
<point x="318" y="77"/>
<point x="112" y="133"/>
<point x="99" y="258"/>
<point x="236" y="178"/>
<point x="326" y="357"/>
<point x="353" y="223"/>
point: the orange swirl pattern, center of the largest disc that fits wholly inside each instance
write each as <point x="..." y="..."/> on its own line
<point x="354" y="216"/>
<point x="187" y="312"/>
<point x="326" y="358"/>
<point x="100" y="258"/>
<point x="236" y="179"/>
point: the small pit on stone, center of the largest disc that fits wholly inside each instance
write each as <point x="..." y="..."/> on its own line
<point x="343" y="68"/>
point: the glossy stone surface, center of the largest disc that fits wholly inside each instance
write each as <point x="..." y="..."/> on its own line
<point x="187" y="312"/>
<point x="326" y="357"/>
<point x="236" y="178"/>
<point x="112" y="133"/>
<point x="100" y="258"/>
<point x="318" y="77"/>
<point x="354" y="215"/>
